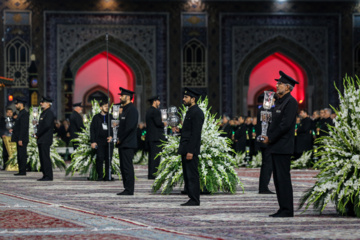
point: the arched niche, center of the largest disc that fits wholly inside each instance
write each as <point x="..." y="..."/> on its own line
<point x="316" y="78"/>
<point x="142" y="75"/>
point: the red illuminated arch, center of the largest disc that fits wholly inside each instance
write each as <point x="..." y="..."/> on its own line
<point x="92" y="75"/>
<point x="263" y="75"/>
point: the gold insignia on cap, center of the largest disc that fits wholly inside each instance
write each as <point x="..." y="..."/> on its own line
<point x="185" y="91"/>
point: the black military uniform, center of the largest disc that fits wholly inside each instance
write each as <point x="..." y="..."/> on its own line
<point x="281" y="146"/>
<point x="240" y="138"/>
<point x="76" y="124"/>
<point x="154" y="136"/>
<point x="99" y="132"/>
<point x="44" y="136"/>
<point x="21" y="133"/>
<point x="127" y="143"/>
<point x="190" y="142"/>
<point x="304" y="137"/>
<point x="324" y="129"/>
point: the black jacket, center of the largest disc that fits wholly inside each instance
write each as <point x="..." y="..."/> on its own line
<point x="128" y="127"/>
<point x="21" y="127"/>
<point x="281" y="131"/>
<point x="324" y="129"/>
<point x="97" y="133"/>
<point x="154" y="125"/>
<point x="45" y="129"/>
<point x="190" y="141"/>
<point x="240" y="138"/>
<point x="304" y="136"/>
<point x="76" y="124"/>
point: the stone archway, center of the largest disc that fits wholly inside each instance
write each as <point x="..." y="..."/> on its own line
<point x="141" y="70"/>
<point x="317" y="79"/>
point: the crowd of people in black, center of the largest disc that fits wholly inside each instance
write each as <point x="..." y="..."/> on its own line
<point x="243" y="131"/>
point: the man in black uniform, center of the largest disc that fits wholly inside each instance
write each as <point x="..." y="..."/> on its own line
<point x="20" y="135"/>
<point x="240" y="136"/>
<point x="5" y="132"/>
<point x="304" y="134"/>
<point x="325" y="122"/>
<point x="127" y="142"/>
<point x="189" y="147"/>
<point x="100" y="140"/>
<point x="281" y="140"/>
<point x="44" y="137"/>
<point x="154" y="135"/>
<point x="76" y="122"/>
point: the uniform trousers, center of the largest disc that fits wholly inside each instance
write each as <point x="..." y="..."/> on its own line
<point x="266" y="170"/>
<point x="45" y="161"/>
<point x="127" y="168"/>
<point x="153" y="163"/>
<point x="21" y="157"/>
<point x="191" y="177"/>
<point x="282" y="180"/>
<point x="102" y="154"/>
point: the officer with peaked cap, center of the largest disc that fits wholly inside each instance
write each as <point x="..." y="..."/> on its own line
<point x="189" y="147"/>
<point x="76" y="122"/>
<point x="281" y="141"/>
<point x="20" y="135"/>
<point x="100" y="140"/>
<point x="44" y="137"/>
<point x="127" y="142"/>
<point x="155" y="134"/>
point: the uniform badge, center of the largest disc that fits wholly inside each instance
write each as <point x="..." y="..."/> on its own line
<point x="41" y="118"/>
<point x="278" y="111"/>
<point x="123" y="118"/>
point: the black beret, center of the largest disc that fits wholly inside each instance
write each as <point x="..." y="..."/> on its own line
<point x="154" y="98"/>
<point x="191" y="92"/>
<point x="77" y="104"/>
<point x="46" y="99"/>
<point x="124" y="91"/>
<point x="286" y="79"/>
<point x="20" y="100"/>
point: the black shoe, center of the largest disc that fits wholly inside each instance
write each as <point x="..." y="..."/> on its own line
<point x="183" y="192"/>
<point x="151" y="178"/>
<point x="125" y="193"/>
<point x="284" y="214"/>
<point x="190" y="203"/>
<point x="205" y="192"/>
<point x="20" y="174"/>
<point x="100" y="179"/>
<point x="107" y="179"/>
<point x="266" y="192"/>
<point x="45" y="179"/>
<point x="271" y="215"/>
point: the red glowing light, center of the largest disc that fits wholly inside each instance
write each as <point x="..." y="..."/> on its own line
<point x="94" y="73"/>
<point x="301" y="101"/>
<point x="263" y="75"/>
<point x="10" y="98"/>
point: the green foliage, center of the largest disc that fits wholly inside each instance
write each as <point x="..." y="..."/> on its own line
<point x="84" y="157"/>
<point x="216" y="163"/>
<point x="338" y="180"/>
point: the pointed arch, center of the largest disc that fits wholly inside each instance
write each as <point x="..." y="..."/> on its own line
<point x="194" y="64"/>
<point x="316" y="78"/>
<point x="143" y="79"/>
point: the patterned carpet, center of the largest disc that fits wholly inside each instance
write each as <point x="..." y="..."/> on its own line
<point x="74" y="208"/>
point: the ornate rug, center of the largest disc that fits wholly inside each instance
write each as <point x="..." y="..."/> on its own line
<point x="74" y="208"/>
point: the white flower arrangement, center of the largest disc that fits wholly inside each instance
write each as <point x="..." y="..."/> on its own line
<point x="33" y="151"/>
<point x="338" y="180"/>
<point x="141" y="157"/>
<point x="305" y="161"/>
<point x="84" y="157"/>
<point x="216" y="163"/>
